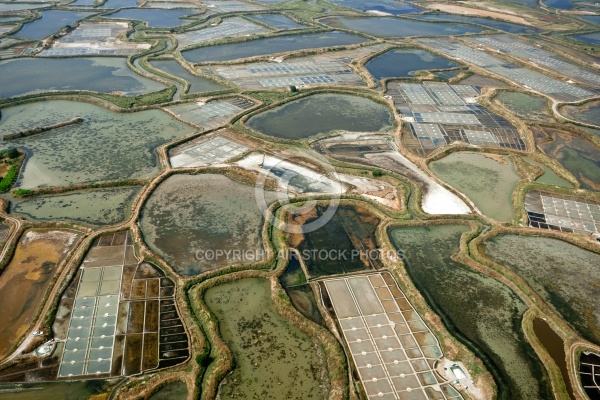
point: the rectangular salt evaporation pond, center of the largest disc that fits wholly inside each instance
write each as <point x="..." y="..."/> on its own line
<point x="271" y="45"/>
<point x="91" y="334"/>
<point x="392" y="348"/>
<point x="229" y="27"/>
<point x="319" y="69"/>
<point x="557" y="89"/>
<point x="205" y="151"/>
<point x="396" y="27"/>
<point x="562" y="212"/>
<point x="529" y="52"/>
<point x="277" y="21"/>
<point x="210" y="115"/>
<point x="22" y="76"/>
<point x="389" y="7"/>
<point x="95" y="38"/>
<point x="51" y="21"/>
<point x="154" y="18"/>
<point x="198" y="84"/>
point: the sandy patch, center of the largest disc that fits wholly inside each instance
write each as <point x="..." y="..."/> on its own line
<point x="453" y="9"/>
<point x="437" y="199"/>
<point x="286" y="173"/>
<point x="379" y="191"/>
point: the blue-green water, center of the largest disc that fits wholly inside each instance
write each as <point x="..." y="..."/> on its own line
<point x="106" y="145"/>
<point x="504" y="26"/>
<point x="272" y="45"/>
<point x="401" y="63"/>
<point x="590" y="38"/>
<point x="51" y="21"/>
<point x="386" y="27"/>
<point x="482" y="312"/>
<point x="322" y="113"/>
<point x="97" y="74"/>
<point x="197" y="83"/>
<point x="154" y="17"/>
<point x="277" y="21"/>
<point x="387" y="6"/>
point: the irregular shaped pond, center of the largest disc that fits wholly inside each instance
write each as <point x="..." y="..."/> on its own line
<point x="322" y="113"/>
<point x="488" y="180"/>
<point x="22" y="76"/>
<point x="198" y="84"/>
<point x="578" y="155"/>
<point x="564" y="275"/>
<point x="26" y="279"/>
<point x="190" y="219"/>
<point x="95" y="207"/>
<point x="105" y="146"/>
<point x="525" y="105"/>
<point x="273" y="358"/>
<point x="402" y="63"/>
<point x="589" y="112"/>
<point x="51" y="21"/>
<point x="396" y="27"/>
<point x="271" y="45"/>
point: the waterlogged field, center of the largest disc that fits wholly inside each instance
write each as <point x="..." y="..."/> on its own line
<point x="190" y="217"/>
<point x="273" y="359"/>
<point x="95" y="207"/>
<point x="482" y="311"/>
<point x="488" y="180"/>
<point x="22" y="76"/>
<point x="564" y="275"/>
<point x="322" y="113"/>
<point x="26" y="279"/>
<point x="105" y="146"/>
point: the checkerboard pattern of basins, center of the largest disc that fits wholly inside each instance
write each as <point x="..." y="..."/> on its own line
<point x="393" y="350"/>
<point x="562" y="213"/>
<point x="123" y="319"/>
<point x="442" y="114"/>
<point x="210" y="115"/>
<point x="589" y="370"/>
<point x="321" y="69"/>
<point x="205" y="151"/>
